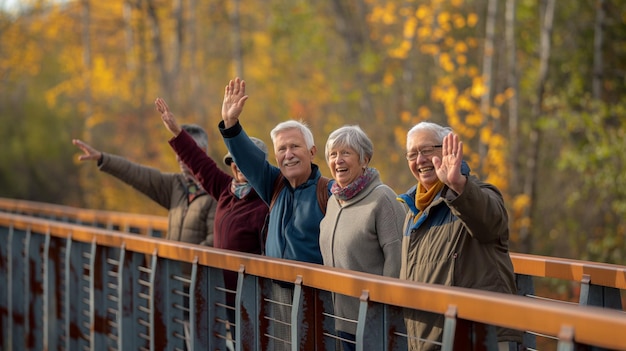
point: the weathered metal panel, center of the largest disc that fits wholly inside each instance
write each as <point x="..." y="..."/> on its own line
<point x="6" y="288"/>
<point x="18" y="301"/>
<point x="76" y="296"/>
<point x="33" y="291"/>
<point x="52" y="291"/>
<point x="128" y="293"/>
<point x="247" y="314"/>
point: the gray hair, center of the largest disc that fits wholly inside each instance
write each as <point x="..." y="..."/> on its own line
<point x="292" y="124"/>
<point x="353" y="137"/>
<point x="435" y="129"/>
<point x="198" y="134"/>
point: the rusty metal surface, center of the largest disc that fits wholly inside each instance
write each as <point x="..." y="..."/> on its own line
<point x="590" y="325"/>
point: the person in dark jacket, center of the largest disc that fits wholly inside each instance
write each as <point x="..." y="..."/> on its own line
<point x="295" y="215"/>
<point x="190" y="209"/>
<point x="240" y="214"/>
<point x="456" y="231"/>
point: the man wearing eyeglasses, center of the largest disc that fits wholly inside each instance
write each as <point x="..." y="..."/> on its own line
<point x="456" y="231"/>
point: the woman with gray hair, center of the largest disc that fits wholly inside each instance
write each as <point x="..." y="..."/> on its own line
<point x="362" y="229"/>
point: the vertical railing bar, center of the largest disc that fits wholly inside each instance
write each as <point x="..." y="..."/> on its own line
<point x="10" y="288"/>
<point x="120" y="298"/>
<point x="360" y="326"/>
<point x="92" y="297"/>
<point x="151" y="303"/>
<point x="27" y="278"/>
<point x="190" y="327"/>
<point x="46" y="288"/>
<point x="296" y="311"/>
<point x="66" y="297"/>
<point x="449" y="329"/>
<point x="566" y="338"/>
<point x="239" y="327"/>
<point x="585" y="289"/>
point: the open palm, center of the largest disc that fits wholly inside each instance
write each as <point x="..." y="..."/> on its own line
<point x="234" y="99"/>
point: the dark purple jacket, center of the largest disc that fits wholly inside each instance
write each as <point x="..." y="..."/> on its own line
<point x="238" y="223"/>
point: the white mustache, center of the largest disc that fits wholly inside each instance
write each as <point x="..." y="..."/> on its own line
<point x="291" y="160"/>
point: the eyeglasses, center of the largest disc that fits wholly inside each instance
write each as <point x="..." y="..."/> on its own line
<point x="425" y="151"/>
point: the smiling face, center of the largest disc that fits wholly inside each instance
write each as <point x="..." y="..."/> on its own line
<point x="292" y="156"/>
<point x="422" y="166"/>
<point x="344" y="165"/>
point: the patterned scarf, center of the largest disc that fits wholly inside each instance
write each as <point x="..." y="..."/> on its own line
<point x="424" y="197"/>
<point x="355" y="187"/>
<point x="240" y="190"/>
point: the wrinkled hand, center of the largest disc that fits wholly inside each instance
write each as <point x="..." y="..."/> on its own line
<point x="89" y="153"/>
<point x="167" y="116"/>
<point x="234" y="99"/>
<point x="448" y="168"/>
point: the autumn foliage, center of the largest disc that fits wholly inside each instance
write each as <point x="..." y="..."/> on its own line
<point x="92" y="69"/>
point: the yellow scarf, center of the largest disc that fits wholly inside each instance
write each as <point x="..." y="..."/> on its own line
<point x="424" y="197"/>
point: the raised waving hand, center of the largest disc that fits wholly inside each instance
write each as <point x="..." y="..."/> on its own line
<point x="234" y="99"/>
<point x="448" y="168"/>
<point x="89" y="153"/>
<point x="167" y="116"/>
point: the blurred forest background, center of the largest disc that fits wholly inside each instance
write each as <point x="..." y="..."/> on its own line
<point x="535" y="88"/>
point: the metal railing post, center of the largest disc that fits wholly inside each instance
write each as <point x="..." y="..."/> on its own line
<point x="596" y="295"/>
<point x="247" y="312"/>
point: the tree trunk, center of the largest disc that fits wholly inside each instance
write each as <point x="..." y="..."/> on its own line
<point x="127" y="15"/>
<point x="157" y="44"/>
<point x="530" y="183"/>
<point x="351" y="27"/>
<point x="177" y="45"/>
<point x="513" y="121"/>
<point x="87" y="62"/>
<point x="142" y="54"/>
<point x="598" y="66"/>
<point x="485" y="100"/>
<point x="194" y="73"/>
<point x="236" y="39"/>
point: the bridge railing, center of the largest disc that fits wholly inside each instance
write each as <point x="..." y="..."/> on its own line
<point x="596" y="284"/>
<point x="155" y="226"/>
<point x="74" y="287"/>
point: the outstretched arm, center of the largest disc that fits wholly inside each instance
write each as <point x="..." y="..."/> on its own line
<point x="89" y="153"/>
<point x="167" y="116"/>
<point x="234" y="99"/>
<point x="449" y="166"/>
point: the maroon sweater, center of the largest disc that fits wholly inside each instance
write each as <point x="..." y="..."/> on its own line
<point x="238" y="222"/>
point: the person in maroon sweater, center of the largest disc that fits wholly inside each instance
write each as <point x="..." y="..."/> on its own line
<point x="240" y="214"/>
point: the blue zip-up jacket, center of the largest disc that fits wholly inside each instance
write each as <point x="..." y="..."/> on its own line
<point x="294" y="223"/>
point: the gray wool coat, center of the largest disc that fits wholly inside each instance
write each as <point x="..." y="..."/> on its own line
<point x="362" y="234"/>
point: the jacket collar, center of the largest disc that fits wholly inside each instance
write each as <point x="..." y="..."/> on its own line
<point x="408" y="198"/>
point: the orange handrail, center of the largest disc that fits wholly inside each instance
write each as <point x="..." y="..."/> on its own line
<point x="110" y="219"/>
<point x="609" y="275"/>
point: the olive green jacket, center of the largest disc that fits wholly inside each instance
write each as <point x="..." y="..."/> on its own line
<point x="190" y="222"/>
<point x="458" y="240"/>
